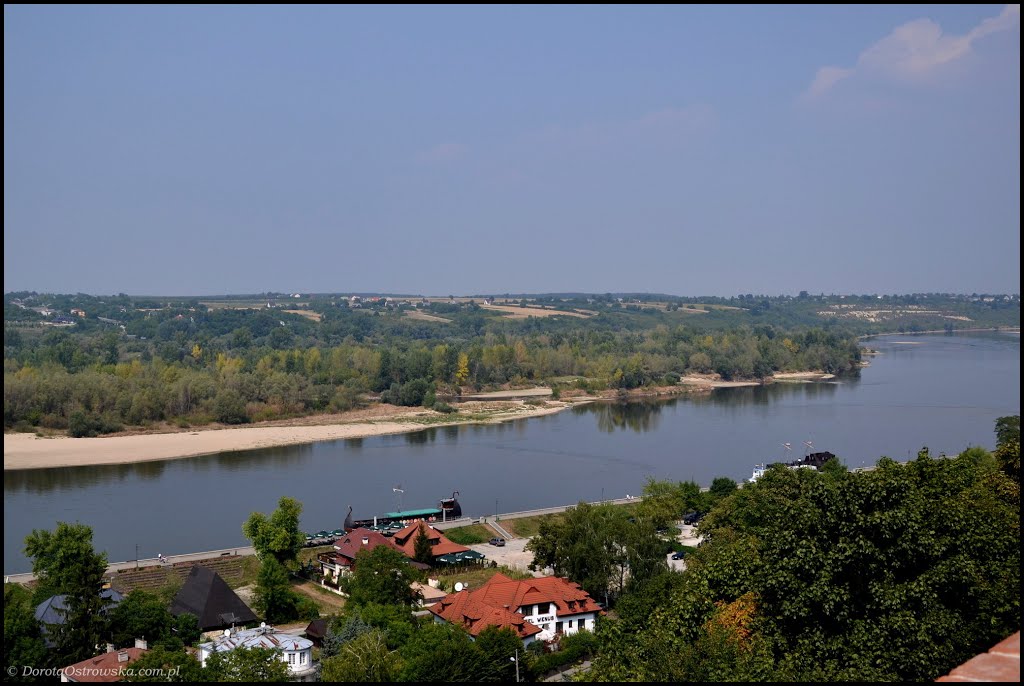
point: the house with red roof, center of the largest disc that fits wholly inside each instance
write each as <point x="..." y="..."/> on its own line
<point x="109" y="667"/>
<point x="440" y="545"/>
<point x="340" y="561"/>
<point x="536" y="609"/>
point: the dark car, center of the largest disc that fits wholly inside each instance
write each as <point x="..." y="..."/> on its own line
<point x="692" y="518"/>
<point x="678" y="555"/>
<point x="498" y="541"/>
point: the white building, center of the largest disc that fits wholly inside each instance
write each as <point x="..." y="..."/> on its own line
<point x="536" y="609"/>
<point x="295" y="651"/>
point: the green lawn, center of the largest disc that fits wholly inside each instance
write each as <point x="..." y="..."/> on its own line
<point x="470" y="535"/>
<point x="526" y="527"/>
<point x="475" y="576"/>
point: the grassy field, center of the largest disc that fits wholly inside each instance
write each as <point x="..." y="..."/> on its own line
<point x="308" y="314"/>
<point x="476" y="576"/>
<point x="471" y="534"/>
<point x="423" y="316"/>
<point x="526" y="527"/>
<point x="516" y="312"/>
<point x="329" y="603"/>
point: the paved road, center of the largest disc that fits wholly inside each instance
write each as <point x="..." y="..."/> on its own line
<point x="114" y="567"/>
<point x="248" y="550"/>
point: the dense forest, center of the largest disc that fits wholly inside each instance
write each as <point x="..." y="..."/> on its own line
<point x="900" y="573"/>
<point x="97" y="364"/>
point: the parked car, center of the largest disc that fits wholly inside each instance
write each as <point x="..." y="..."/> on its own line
<point x="692" y="518"/>
<point x="498" y="541"/>
<point x="678" y="555"/>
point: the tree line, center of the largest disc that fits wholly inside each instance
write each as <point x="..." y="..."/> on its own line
<point x="99" y="383"/>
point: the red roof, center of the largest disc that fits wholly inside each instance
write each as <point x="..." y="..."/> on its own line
<point x="496" y="603"/>
<point x="462" y="609"/>
<point x="105" y="668"/>
<point x="352" y="542"/>
<point x="405" y="540"/>
<point x="567" y="596"/>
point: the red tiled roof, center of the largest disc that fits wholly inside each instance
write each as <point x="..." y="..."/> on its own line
<point x="496" y="603"/>
<point x="462" y="609"/>
<point x="1002" y="663"/>
<point x="567" y="596"/>
<point x="405" y="540"/>
<point x="352" y="543"/>
<point x="103" y="668"/>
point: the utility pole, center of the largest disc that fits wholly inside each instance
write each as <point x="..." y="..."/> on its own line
<point x="136" y="556"/>
<point x="495" y="509"/>
<point x="516" y="660"/>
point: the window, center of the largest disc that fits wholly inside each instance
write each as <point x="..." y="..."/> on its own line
<point x="570" y="623"/>
<point x="302" y="658"/>
<point x="291" y="658"/>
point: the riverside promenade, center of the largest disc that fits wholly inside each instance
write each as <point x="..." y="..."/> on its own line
<point x="243" y="551"/>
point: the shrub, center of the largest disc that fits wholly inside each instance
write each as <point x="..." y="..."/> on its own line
<point x="229" y="408"/>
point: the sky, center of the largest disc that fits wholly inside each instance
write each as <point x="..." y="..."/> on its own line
<point x="476" y="150"/>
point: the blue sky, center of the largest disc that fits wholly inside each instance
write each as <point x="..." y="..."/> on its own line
<point x="437" y="150"/>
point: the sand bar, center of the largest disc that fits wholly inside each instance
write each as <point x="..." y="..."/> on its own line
<point x="714" y="381"/>
<point x="28" y="451"/>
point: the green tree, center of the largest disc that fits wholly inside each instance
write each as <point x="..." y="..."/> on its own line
<point x="381" y="575"/>
<point x="274" y="598"/>
<point x="598" y="547"/>
<point x="497" y="646"/>
<point x="166" y="666"/>
<point x="365" y="658"/>
<point x="140" y="615"/>
<point x="422" y="551"/>
<point x="65" y="563"/>
<point x="278" y="535"/>
<point x="186" y="628"/>
<point x="722" y="487"/>
<point x="900" y="573"/>
<point x="229" y="407"/>
<point x="23" y="641"/>
<point x="1008" y="429"/>
<point x="247" y="665"/>
<point x="665" y="502"/>
<point x="442" y="652"/>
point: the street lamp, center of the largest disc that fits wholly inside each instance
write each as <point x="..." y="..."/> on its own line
<point x="516" y="660"/>
<point x="495" y="509"/>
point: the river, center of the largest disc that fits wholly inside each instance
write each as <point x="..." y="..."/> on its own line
<point x="939" y="391"/>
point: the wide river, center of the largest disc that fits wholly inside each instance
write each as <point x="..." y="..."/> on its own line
<point x="943" y="392"/>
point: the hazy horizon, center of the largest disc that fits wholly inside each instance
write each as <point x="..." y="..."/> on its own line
<point x="475" y="150"/>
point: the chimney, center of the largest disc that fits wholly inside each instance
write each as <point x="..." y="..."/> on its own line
<point x="141" y="644"/>
<point x="110" y="647"/>
<point x="366" y="540"/>
<point x="122" y="656"/>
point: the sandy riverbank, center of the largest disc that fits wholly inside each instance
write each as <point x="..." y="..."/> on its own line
<point x="28" y="451"/>
<point x="715" y="381"/>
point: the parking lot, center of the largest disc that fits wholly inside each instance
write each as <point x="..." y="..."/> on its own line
<point x="512" y="554"/>
<point x="687" y="536"/>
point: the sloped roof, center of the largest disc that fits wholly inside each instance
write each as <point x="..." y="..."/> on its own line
<point x="567" y="596"/>
<point x="260" y="637"/>
<point x="405" y="540"/>
<point x="103" y="668"/>
<point x="350" y="544"/>
<point x="209" y="598"/>
<point x="463" y="609"/>
<point x="53" y="609"/>
<point x="317" y="629"/>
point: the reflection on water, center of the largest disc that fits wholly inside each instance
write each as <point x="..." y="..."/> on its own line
<point x="639" y="416"/>
<point x="945" y="393"/>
